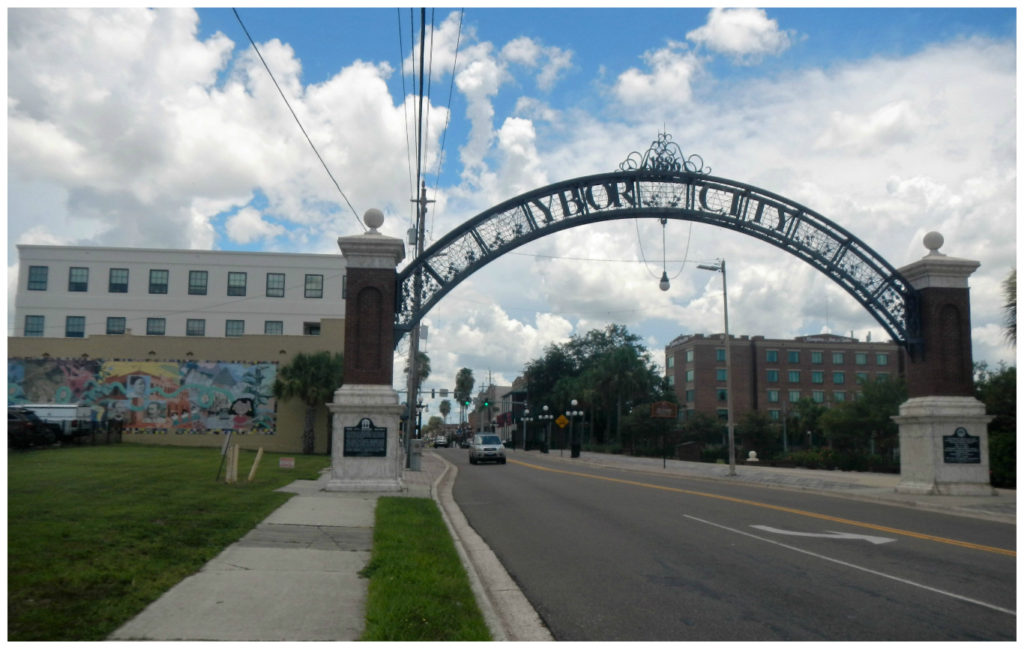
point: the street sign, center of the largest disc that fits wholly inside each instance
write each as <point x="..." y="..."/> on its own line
<point x="562" y="421"/>
<point x="664" y="410"/>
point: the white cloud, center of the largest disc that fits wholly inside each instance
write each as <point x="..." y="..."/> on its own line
<point x="746" y="35"/>
<point x="246" y="226"/>
<point x="673" y="70"/>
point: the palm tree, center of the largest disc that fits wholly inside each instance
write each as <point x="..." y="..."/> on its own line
<point x="463" y="389"/>
<point x="422" y="369"/>
<point x="445" y="408"/>
<point x="312" y="378"/>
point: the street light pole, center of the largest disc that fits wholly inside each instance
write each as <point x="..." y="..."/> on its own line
<point x="573" y="414"/>
<point x="720" y="267"/>
<point x="547" y="435"/>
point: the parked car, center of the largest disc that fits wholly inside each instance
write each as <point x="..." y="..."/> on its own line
<point x="440" y="442"/>
<point x="25" y="429"/>
<point x="486" y="447"/>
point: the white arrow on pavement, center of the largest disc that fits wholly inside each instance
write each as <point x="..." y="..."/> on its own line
<point x="874" y="540"/>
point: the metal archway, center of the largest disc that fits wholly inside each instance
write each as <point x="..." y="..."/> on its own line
<point x="662" y="184"/>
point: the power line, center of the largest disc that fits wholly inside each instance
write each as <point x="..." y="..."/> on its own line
<point x="448" y="113"/>
<point x="281" y="92"/>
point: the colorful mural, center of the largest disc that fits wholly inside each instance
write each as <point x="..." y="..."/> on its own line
<point x="154" y="397"/>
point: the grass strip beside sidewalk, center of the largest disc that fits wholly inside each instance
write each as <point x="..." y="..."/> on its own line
<point x="94" y="534"/>
<point x="419" y="590"/>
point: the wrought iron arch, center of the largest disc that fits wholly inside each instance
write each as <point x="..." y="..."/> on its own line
<point x="660" y="184"/>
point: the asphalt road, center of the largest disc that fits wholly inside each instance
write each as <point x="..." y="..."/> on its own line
<point x="607" y="555"/>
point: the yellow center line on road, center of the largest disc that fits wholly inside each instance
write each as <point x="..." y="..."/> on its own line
<point x="790" y="510"/>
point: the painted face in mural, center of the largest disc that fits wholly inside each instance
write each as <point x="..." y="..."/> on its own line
<point x="137" y="387"/>
<point x="154" y="412"/>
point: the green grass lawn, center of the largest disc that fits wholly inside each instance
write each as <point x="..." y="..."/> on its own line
<point x="97" y="533"/>
<point x="418" y="589"/>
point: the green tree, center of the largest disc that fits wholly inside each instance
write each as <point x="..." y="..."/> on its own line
<point x="422" y="369"/>
<point x="434" y="427"/>
<point x="806" y="413"/>
<point x="755" y="431"/>
<point x="997" y="389"/>
<point x="605" y="370"/>
<point x="311" y="378"/>
<point x="445" y="407"/>
<point x="865" y="424"/>
<point x="463" y="389"/>
<point x="648" y="435"/>
<point x="1010" y="306"/>
<point x="702" y="427"/>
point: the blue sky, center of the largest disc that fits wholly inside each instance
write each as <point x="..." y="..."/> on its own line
<point x="138" y="127"/>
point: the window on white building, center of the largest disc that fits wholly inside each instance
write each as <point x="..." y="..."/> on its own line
<point x="275" y="284"/>
<point x="118" y="282"/>
<point x="197" y="282"/>
<point x="314" y="286"/>
<point x="236" y="284"/>
<point x="34" y="325"/>
<point x="37" y="277"/>
<point x="74" y="326"/>
<point x="158" y="281"/>
<point x="78" y="279"/>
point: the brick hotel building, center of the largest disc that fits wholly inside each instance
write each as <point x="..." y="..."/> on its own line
<point x="769" y="375"/>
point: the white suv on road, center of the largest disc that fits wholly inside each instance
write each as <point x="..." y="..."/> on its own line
<point x="486" y="447"/>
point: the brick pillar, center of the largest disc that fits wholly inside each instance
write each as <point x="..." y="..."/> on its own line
<point x="365" y="453"/>
<point x="943" y="427"/>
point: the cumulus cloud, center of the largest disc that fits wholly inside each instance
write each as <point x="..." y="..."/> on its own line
<point x="247" y="226"/>
<point x="672" y="73"/>
<point x="552" y="61"/>
<point x="745" y="35"/>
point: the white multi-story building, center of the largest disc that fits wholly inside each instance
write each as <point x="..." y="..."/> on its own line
<point x="77" y="291"/>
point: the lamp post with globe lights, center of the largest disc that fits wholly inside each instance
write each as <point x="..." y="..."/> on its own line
<point x="572" y="414"/>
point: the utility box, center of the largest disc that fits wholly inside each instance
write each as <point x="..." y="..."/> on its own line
<point x="415" y="454"/>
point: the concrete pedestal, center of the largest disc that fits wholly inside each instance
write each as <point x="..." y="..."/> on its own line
<point x="930" y="464"/>
<point x="352" y="404"/>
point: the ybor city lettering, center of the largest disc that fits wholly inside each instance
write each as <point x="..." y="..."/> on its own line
<point x="697" y="195"/>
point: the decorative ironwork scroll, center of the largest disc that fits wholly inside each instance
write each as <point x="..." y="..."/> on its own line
<point x="664" y="155"/>
<point x="660" y="185"/>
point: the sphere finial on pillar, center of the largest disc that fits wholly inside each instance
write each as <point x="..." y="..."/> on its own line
<point x="933" y="241"/>
<point x="373" y="218"/>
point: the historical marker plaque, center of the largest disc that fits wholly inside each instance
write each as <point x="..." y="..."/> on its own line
<point x="365" y="440"/>
<point x="961" y="448"/>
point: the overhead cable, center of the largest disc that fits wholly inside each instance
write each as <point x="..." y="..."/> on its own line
<point x="281" y="92"/>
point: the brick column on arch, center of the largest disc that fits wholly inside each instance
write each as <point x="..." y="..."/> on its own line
<point x="370" y="284"/>
<point x="943" y="427"/>
<point x="366" y="400"/>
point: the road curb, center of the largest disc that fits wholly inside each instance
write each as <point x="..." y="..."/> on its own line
<point x="507" y="612"/>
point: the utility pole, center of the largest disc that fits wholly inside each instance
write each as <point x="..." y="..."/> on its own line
<point x="414" y="337"/>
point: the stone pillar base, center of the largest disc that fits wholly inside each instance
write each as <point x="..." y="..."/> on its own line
<point x="352" y="405"/>
<point x="927" y="466"/>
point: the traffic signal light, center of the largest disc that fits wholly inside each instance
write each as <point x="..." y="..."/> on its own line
<point x="487" y="403"/>
<point x="466" y="402"/>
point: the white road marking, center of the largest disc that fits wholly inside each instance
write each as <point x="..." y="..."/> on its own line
<point x="874" y="540"/>
<point x="856" y="567"/>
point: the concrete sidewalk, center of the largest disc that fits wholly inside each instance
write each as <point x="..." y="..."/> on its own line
<point x="295" y="576"/>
